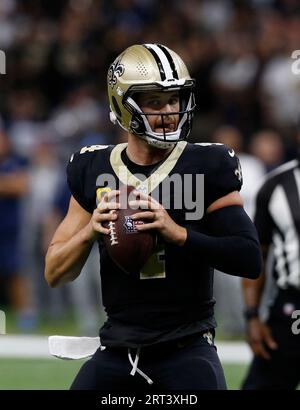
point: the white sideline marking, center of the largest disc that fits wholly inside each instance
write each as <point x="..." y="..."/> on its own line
<point x="33" y="346"/>
<point x="234" y="352"/>
<point x="25" y="346"/>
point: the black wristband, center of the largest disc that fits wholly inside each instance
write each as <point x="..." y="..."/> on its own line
<point x="251" y="313"/>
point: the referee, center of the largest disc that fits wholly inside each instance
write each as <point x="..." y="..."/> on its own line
<point x="276" y="362"/>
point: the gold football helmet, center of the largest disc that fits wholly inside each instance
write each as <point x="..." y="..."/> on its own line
<point x="149" y="67"/>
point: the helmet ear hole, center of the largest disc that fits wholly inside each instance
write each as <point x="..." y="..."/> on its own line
<point x="116" y="107"/>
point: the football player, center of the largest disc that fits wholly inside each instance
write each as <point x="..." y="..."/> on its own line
<point x="160" y="325"/>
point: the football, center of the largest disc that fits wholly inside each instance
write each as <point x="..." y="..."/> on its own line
<point x="129" y="248"/>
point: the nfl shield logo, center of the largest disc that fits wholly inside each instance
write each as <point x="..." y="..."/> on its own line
<point x="130" y="224"/>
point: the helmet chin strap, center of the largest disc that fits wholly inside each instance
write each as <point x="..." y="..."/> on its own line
<point x="158" y="144"/>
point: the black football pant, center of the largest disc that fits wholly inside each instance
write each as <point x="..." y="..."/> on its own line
<point x="281" y="372"/>
<point x="171" y="366"/>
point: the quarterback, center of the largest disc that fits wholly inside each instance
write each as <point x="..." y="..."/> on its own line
<point x="160" y="326"/>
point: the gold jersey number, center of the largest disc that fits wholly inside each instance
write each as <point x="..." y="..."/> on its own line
<point x="155" y="266"/>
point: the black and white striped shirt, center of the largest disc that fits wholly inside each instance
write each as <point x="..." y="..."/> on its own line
<point x="277" y="219"/>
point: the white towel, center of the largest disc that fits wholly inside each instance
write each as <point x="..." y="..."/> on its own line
<point x="73" y="347"/>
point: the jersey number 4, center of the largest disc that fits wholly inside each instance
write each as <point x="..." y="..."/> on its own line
<point x="92" y="148"/>
<point x="155" y="266"/>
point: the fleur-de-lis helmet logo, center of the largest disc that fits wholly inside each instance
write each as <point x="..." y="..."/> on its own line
<point x="115" y="70"/>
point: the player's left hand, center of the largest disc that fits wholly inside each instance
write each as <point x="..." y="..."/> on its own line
<point x="157" y="218"/>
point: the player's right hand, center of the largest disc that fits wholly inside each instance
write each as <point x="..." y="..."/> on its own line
<point x="105" y="212"/>
<point x="260" y="338"/>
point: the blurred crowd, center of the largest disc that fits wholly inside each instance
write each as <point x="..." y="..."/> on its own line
<point x="53" y="100"/>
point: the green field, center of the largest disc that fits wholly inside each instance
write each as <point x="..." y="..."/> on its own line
<point x="56" y="374"/>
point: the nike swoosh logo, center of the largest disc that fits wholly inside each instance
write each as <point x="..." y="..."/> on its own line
<point x="231" y="153"/>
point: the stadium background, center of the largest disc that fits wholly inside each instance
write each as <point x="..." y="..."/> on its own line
<point x="53" y="101"/>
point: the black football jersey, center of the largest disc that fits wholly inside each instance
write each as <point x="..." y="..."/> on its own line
<point x="172" y="295"/>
